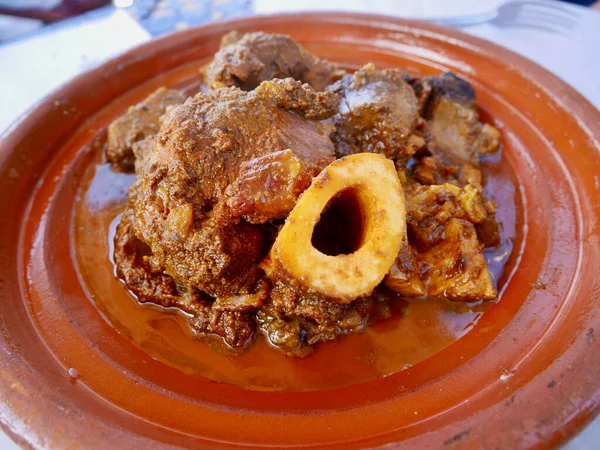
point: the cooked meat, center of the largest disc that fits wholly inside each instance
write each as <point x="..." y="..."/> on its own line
<point x="146" y="279"/>
<point x="377" y="113"/>
<point x="456" y="268"/>
<point x="294" y="321"/>
<point x="197" y="154"/>
<point x="217" y="175"/>
<point x="247" y="60"/>
<point x="441" y="222"/>
<point x="140" y="122"/>
<point x="267" y="188"/>
<point x="135" y="267"/>
<point x="453" y="125"/>
<point x="405" y="277"/>
<point x="488" y="231"/>
<point x="422" y="88"/>
<point x="438" y="169"/>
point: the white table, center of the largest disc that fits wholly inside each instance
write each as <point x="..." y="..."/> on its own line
<point x="42" y="63"/>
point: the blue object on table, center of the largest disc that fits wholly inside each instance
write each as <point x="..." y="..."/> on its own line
<point x="581" y="2"/>
<point x="163" y="16"/>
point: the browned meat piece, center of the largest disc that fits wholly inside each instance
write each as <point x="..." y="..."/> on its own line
<point x="422" y="88"/>
<point x="404" y="277"/>
<point x="140" y="122"/>
<point x="441" y="222"/>
<point x="247" y="60"/>
<point x="267" y="188"/>
<point x="377" y="113"/>
<point x="453" y="125"/>
<point x="134" y="267"/>
<point x="141" y="149"/>
<point x="197" y="154"/>
<point x="456" y="268"/>
<point x="295" y="321"/>
<point x="488" y="231"/>
<point x="437" y="169"/>
<point x="146" y="279"/>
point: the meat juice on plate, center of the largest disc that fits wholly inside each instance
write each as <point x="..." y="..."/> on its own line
<point x="416" y="329"/>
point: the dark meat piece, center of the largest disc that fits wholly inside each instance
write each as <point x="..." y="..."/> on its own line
<point x="377" y="113"/>
<point x="293" y="321"/>
<point x="198" y="153"/>
<point x="441" y="223"/>
<point x="140" y="122"/>
<point x="404" y="277"/>
<point x="247" y="60"/>
<point x="438" y="169"/>
<point x="422" y="88"/>
<point x="453" y="125"/>
<point x="134" y="266"/>
<point x="267" y="188"/>
<point x="144" y="276"/>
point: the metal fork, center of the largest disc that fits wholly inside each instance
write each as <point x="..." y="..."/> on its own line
<point x="547" y="16"/>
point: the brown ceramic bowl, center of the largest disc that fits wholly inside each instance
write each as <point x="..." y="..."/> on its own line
<point x="527" y="375"/>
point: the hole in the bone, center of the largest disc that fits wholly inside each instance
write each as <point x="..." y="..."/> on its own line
<point x="341" y="228"/>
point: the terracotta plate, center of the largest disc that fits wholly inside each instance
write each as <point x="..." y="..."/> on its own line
<point x="528" y="375"/>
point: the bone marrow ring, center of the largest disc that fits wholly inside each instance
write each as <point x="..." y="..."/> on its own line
<point x="373" y="182"/>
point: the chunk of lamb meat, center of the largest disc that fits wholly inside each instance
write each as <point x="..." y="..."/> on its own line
<point x="441" y="223"/>
<point x="404" y="276"/>
<point x="377" y="114"/>
<point x="294" y="321"/>
<point x="439" y="169"/>
<point x="267" y="188"/>
<point x="145" y="278"/>
<point x="197" y="154"/>
<point x="140" y="122"/>
<point x="247" y="60"/>
<point x="453" y="127"/>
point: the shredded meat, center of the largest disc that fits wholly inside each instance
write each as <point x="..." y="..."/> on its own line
<point x="141" y="121"/>
<point x="247" y="60"/>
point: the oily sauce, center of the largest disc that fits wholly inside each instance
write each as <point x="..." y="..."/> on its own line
<point x="416" y="330"/>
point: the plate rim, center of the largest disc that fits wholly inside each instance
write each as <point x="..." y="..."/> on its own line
<point x="571" y="99"/>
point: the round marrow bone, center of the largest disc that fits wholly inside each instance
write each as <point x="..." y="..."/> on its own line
<point x="374" y="181"/>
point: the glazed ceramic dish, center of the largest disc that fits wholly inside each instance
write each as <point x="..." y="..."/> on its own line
<point x="527" y="374"/>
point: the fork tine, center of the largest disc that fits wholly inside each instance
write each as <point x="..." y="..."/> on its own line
<point x="550" y="5"/>
<point x="532" y="25"/>
<point x="547" y="17"/>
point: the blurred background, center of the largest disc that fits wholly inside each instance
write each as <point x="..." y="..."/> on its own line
<point x="22" y="18"/>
